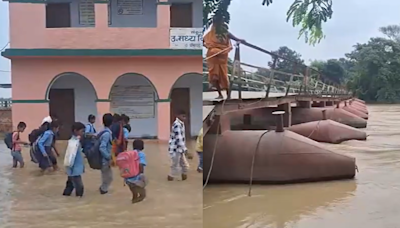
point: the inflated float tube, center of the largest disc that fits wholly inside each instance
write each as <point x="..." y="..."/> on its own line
<point x="358" y="106"/>
<point x="328" y="131"/>
<point x="276" y="157"/>
<point x="351" y="109"/>
<point x="304" y="115"/>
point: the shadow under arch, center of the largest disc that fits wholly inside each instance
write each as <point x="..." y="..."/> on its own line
<point x="180" y="77"/>
<point x="58" y="76"/>
<point x="134" y="75"/>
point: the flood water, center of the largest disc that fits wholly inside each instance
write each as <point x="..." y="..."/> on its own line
<point x="371" y="200"/>
<point x="28" y="200"/>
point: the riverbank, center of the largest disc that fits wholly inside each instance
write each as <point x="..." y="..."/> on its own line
<point x="175" y="204"/>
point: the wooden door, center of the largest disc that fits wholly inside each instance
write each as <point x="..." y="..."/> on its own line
<point x="181" y="15"/>
<point x="62" y="105"/>
<point x="58" y="15"/>
<point x="180" y="100"/>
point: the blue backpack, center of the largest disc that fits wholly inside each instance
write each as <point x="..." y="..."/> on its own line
<point x="93" y="155"/>
<point x="8" y="140"/>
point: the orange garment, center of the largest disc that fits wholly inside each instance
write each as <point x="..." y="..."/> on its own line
<point x="217" y="65"/>
<point x="117" y="146"/>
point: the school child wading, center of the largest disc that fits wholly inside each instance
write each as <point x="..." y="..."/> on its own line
<point x="177" y="148"/>
<point x="90" y="133"/>
<point x="46" y="158"/>
<point x="131" y="166"/>
<point x="199" y="149"/>
<point x="14" y="143"/>
<point x="105" y="150"/>
<point x="73" y="162"/>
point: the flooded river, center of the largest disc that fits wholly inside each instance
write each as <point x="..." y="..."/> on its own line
<point x="372" y="200"/>
<point x="31" y="201"/>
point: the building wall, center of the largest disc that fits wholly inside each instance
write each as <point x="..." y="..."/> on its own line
<point x="28" y="20"/>
<point x="36" y="74"/>
<point x="148" y="31"/>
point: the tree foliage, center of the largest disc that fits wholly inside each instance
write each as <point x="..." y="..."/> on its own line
<point x="291" y="61"/>
<point x="377" y="70"/>
<point x="391" y="31"/>
<point x="331" y="70"/>
<point x="309" y="15"/>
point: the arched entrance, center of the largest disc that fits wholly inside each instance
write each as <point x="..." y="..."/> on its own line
<point x="134" y="95"/>
<point x="187" y="94"/>
<point x="72" y="98"/>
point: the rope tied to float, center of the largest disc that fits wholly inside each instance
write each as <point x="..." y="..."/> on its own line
<point x="215" y="148"/>
<point x="253" y="161"/>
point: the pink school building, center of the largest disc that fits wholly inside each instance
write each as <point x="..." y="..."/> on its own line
<point x="72" y="58"/>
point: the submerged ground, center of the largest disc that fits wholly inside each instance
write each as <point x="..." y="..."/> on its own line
<point x="31" y="201"/>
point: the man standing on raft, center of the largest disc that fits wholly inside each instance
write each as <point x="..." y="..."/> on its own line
<point x="218" y="48"/>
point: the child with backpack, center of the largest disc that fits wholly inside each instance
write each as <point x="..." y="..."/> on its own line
<point x="131" y="166"/>
<point x="45" y="157"/>
<point x="74" y="162"/>
<point x="13" y="142"/>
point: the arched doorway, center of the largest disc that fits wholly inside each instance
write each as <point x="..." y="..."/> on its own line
<point x="134" y="95"/>
<point x="72" y="98"/>
<point x="187" y="95"/>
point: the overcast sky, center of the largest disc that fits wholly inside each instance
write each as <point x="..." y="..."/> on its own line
<point x="353" y="21"/>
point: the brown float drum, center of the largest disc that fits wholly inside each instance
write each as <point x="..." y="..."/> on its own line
<point x="328" y="131"/>
<point x="354" y="110"/>
<point x="276" y="157"/>
<point x="304" y="115"/>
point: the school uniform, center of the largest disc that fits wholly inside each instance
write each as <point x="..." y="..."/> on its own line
<point x="105" y="150"/>
<point x="45" y="145"/>
<point x="74" y="173"/>
<point x="87" y="142"/>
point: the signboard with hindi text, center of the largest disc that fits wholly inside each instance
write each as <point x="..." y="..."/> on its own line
<point x="130" y="7"/>
<point x="186" y="38"/>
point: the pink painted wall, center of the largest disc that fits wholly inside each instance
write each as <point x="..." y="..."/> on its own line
<point x="28" y="30"/>
<point x="31" y="77"/>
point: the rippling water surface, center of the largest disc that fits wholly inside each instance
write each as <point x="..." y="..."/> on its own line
<point x="28" y="200"/>
<point x="372" y="200"/>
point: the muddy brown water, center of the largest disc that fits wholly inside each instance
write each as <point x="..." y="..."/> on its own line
<point x="371" y="200"/>
<point x="31" y="201"/>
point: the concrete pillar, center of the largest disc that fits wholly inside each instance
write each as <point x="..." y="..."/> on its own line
<point x="287" y="117"/>
<point x="163" y="121"/>
<point x="304" y="104"/>
<point x="329" y="103"/>
<point x="103" y="107"/>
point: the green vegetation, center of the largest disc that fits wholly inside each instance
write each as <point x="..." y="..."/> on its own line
<point x="371" y="71"/>
<point x="309" y="15"/>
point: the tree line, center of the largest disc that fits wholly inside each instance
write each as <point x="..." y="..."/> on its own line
<point x="371" y="70"/>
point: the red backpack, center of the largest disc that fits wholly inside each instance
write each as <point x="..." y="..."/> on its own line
<point x="128" y="163"/>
